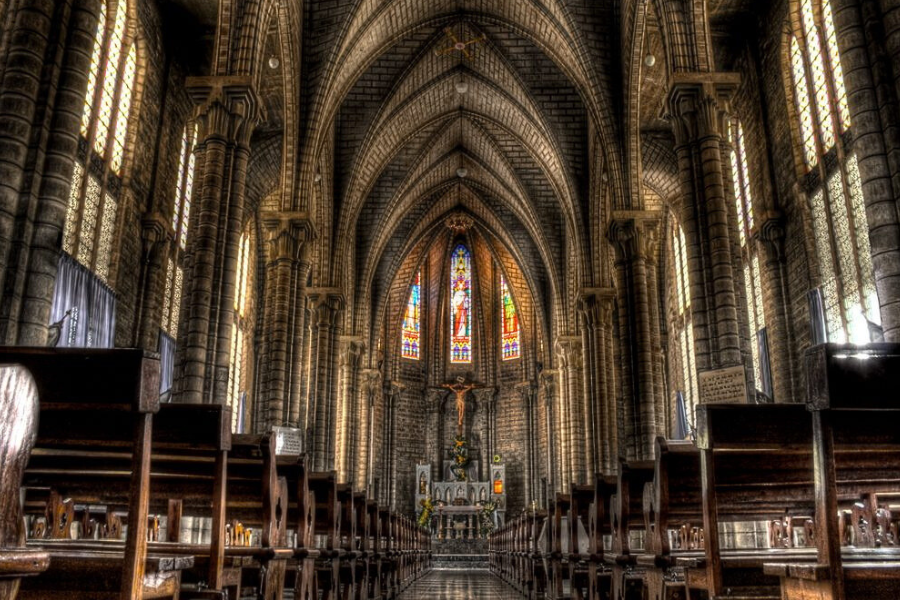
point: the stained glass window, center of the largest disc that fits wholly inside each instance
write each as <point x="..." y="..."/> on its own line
<point x="752" y="280"/>
<point x="89" y="230"/>
<point x="411" y="321"/>
<point x="837" y="208"/>
<point x="682" y="322"/>
<point x="461" y="306"/>
<point x="511" y="337"/>
<point x="184" y="185"/>
<point x="172" y="297"/>
<point x="241" y="333"/>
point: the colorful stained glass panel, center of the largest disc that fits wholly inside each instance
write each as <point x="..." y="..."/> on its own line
<point x="412" y="322"/>
<point x="511" y="335"/>
<point x="461" y="306"/>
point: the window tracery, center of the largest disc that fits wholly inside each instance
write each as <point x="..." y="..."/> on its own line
<point x="846" y="277"/>
<point x="108" y="106"/>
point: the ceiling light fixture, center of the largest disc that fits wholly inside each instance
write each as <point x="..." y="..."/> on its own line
<point x="462" y="172"/>
<point x="649" y="60"/>
<point x="462" y="86"/>
<point x="274" y="63"/>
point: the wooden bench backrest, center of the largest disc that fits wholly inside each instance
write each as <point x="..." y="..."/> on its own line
<point x="627" y="512"/>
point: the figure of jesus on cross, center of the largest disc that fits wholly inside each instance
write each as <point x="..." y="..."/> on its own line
<point x="460" y="388"/>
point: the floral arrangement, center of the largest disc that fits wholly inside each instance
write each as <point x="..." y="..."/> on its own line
<point x="427" y="509"/>
<point x="486" y="518"/>
<point x="460" y="455"/>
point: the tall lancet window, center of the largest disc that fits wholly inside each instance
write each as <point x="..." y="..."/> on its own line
<point x="411" y="321"/>
<point x="241" y="330"/>
<point x="511" y="337"/>
<point x="108" y="107"/>
<point x="682" y="321"/>
<point x="846" y="293"/>
<point x="461" y="306"/>
<point x="181" y="212"/>
<point x="740" y="173"/>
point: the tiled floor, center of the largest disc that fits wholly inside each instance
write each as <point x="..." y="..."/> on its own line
<point x="474" y="584"/>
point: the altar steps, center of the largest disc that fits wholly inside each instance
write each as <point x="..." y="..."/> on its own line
<point x="460" y="562"/>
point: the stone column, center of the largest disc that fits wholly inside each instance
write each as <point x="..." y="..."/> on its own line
<point x="551" y="404"/>
<point x="598" y="368"/>
<point x="287" y="236"/>
<point x="370" y="392"/>
<point x="347" y="424"/>
<point x="773" y="267"/>
<point x="574" y="454"/>
<point x="155" y="238"/>
<point x="487" y="403"/>
<point x="228" y="112"/>
<point x="28" y="272"/>
<point x="607" y="382"/>
<point x="527" y="395"/>
<point x="326" y="307"/>
<point x="873" y="86"/>
<point x="392" y="393"/>
<point x="697" y="107"/>
<point x="635" y="236"/>
<point x="434" y="401"/>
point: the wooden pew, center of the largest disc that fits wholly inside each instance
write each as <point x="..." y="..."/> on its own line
<point x="323" y="487"/>
<point x="627" y="516"/>
<point x="854" y="404"/>
<point x="301" y="512"/>
<point x="188" y="462"/>
<point x="557" y="558"/>
<point x="18" y="431"/>
<point x="92" y="402"/>
<point x="578" y="550"/>
<point x="599" y="526"/>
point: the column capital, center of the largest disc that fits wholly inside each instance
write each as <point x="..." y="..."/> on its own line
<point x="698" y="103"/>
<point x="569" y="348"/>
<point x="287" y="234"/>
<point x="327" y="303"/>
<point x="485" y="396"/>
<point x="155" y="232"/>
<point x="770" y="231"/>
<point x="635" y="233"/>
<point x="592" y="304"/>
<point x="352" y="348"/>
<point x="548" y="381"/>
<point x="228" y="107"/>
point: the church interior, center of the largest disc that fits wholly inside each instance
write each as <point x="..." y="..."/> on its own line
<point x="450" y="299"/>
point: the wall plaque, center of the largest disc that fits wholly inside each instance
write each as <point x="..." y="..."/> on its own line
<point x="723" y="386"/>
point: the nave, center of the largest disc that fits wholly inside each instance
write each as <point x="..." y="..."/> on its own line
<point x="450" y="584"/>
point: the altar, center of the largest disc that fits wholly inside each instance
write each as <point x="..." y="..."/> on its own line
<point x="467" y="501"/>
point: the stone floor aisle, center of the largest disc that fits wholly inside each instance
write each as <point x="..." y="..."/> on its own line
<point x="475" y="584"/>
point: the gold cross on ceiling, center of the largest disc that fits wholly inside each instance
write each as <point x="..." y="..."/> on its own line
<point x="457" y="45"/>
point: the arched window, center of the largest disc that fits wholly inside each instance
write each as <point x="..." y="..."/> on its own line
<point x="846" y="279"/>
<point x="750" y="258"/>
<point x="96" y="182"/>
<point x="681" y="321"/>
<point x="510" y="318"/>
<point x="181" y="210"/>
<point x="241" y="333"/>
<point x="461" y="306"/>
<point x="411" y="321"/>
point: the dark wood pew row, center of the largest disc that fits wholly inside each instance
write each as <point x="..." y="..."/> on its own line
<point x="18" y="431"/>
<point x="854" y="406"/>
<point x="94" y="402"/>
<point x="627" y="522"/>
<point x="599" y="528"/>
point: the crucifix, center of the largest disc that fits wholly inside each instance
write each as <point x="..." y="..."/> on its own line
<point x="460" y="388"/>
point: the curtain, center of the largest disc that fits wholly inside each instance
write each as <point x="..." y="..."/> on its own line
<point x="84" y="308"/>
<point x="682" y="428"/>
<point x="817" y="331"/>
<point x="765" y="367"/>
<point x="166" y="362"/>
